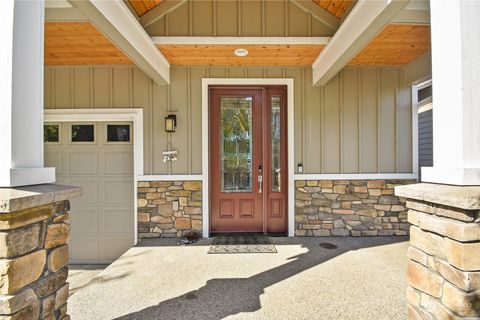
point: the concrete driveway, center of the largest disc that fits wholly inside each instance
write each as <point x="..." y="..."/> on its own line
<point x="364" y="278"/>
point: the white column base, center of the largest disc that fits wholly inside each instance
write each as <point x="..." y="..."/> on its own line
<point x="459" y="176"/>
<point x="18" y="177"/>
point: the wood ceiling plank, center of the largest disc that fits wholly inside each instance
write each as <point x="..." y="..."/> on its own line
<point x="79" y="43"/>
<point x="143" y="6"/>
<point x="397" y="44"/>
<point x="259" y="55"/>
<point x="338" y="8"/>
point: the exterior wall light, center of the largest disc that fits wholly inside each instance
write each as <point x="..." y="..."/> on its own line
<point x="170" y="123"/>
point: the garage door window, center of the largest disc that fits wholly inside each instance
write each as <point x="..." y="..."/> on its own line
<point x="51" y="133"/>
<point x="118" y="133"/>
<point x="83" y="133"/>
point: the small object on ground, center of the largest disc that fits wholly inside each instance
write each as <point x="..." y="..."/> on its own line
<point x="327" y="245"/>
<point x="188" y="239"/>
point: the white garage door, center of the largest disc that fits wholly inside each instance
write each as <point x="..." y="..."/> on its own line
<point x="97" y="156"/>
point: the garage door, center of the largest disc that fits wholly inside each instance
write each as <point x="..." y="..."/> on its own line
<point x="97" y="156"/>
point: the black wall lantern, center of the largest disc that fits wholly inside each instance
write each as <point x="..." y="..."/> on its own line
<point x="170" y="123"/>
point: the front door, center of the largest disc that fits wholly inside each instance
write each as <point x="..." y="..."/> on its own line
<point x="248" y="159"/>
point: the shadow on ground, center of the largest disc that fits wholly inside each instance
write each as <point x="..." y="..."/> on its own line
<point x="221" y="298"/>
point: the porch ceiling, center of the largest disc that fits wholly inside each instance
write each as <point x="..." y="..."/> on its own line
<point x="397" y="44"/>
<point x="259" y="55"/>
<point x="68" y="43"/>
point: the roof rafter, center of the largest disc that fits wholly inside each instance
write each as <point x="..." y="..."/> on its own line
<point x="116" y="22"/>
<point x="365" y="21"/>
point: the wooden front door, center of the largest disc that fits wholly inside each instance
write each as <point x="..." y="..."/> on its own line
<point x="248" y="159"/>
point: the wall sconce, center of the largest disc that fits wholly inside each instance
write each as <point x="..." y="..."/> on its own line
<point x="170" y="123"/>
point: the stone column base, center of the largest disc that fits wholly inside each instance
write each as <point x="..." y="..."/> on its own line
<point x="34" y="232"/>
<point x="444" y="255"/>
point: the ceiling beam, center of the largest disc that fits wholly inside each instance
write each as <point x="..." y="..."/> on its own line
<point x="159" y="11"/>
<point x="365" y="21"/>
<point x="116" y="22"/>
<point x="241" y="40"/>
<point x="408" y="16"/>
<point x="318" y="13"/>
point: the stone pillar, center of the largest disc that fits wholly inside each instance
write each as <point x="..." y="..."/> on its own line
<point x="34" y="232"/>
<point x="444" y="255"/>
<point x="21" y="92"/>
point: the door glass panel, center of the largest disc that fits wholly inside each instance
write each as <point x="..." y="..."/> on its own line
<point x="236" y="144"/>
<point x="275" y="135"/>
<point x="83" y="133"/>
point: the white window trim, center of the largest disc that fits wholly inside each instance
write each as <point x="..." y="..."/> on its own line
<point x="134" y="115"/>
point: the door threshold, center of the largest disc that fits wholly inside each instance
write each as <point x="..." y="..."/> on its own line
<point x="241" y="233"/>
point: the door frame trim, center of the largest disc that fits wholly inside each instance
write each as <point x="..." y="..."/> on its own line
<point x="134" y="115"/>
<point x="206" y="82"/>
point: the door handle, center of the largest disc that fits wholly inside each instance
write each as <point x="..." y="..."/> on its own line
<point x="260" y="183"/>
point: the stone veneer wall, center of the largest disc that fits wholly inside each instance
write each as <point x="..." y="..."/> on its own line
<point x="349" y="208"/>
<point x="443" y="272"/>
<point x="169" y="208"/>
<point x="33" y="259"/>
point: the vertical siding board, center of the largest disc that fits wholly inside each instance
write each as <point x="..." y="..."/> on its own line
<point x="274" y="72"/>
<point x="202" y="18"/>
<point x="227" y="18"/>
<point x="63" y="88"/>
<point x="178" y="22"/>
<point x="404" y="125"/>
<point x="101" y="87"/>
<point x="47" y="80"/>
<point x="121" y="87"/>
<point x="350" y="117"/>
<point x="81" y="87"/>
<point x="196" y="75"/>
<point x="299" y="21"/>
<point x="255" y="72"/>
<point x="312" y="125"/>
<point x="179" y="105"/>
<point x="369" y="101"/>
<point x="251" y="21"/>
<point x="331" y="124"/>
<point x="141" y="95"/>
<point x="296" y="75"/>
<point x="160" y="143"/>
<point x="274" y="18"/>
<point x="236" y="72"/>
<point x="387" y="119"/>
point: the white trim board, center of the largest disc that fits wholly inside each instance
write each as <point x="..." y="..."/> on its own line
<point x="357" y="176"/>
<point x="173" y="177"/>
<point x="206" y="82"/>
<point x="100" y="115"/>
<point x="241" y="40"/>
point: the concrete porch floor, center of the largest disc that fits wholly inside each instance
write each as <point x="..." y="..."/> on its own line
<point x="364" y="278"/>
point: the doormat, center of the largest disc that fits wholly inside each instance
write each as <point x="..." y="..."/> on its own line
<point x="242" y="244"/>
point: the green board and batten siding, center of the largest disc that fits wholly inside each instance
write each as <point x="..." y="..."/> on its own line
<point x="360" y="122"/>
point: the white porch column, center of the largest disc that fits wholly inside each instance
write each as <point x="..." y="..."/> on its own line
<point x="456" y="92"/>
<point x="21" y="94"/>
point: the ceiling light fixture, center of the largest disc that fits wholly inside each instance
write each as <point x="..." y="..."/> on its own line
<point x="241" y="52"/>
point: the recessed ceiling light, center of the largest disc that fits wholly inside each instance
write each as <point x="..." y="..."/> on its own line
<point x="241" y="52"/>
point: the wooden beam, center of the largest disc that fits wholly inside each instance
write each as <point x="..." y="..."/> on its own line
<point x="365" y="21"/>
<point x="408" y="16"/>
<point x="116" y="22"/>
<point x="318" y="13"/>
<point x="159" y="11"/>
<point x="241" y="40"/>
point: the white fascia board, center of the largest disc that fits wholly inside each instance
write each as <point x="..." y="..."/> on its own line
<point x="365" y="21"/>
<point x="116" y="22"/>
<point x="159" y="11"/>
<point x="241" y="40"/>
